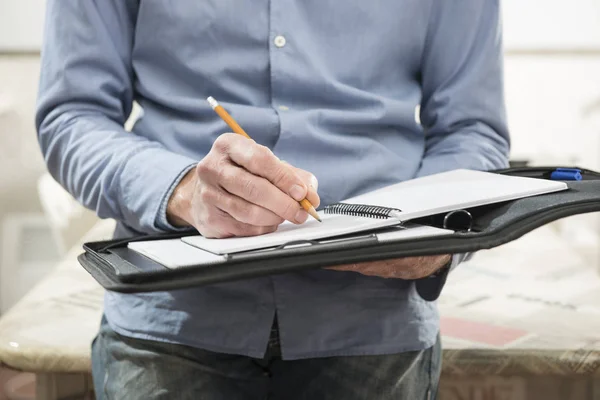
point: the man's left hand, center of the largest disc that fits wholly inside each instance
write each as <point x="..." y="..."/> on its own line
<point x="401" y="268"/>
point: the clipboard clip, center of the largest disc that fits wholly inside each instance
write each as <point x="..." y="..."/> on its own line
<point x="294" y="243"/>
<point x="345" y="240"/>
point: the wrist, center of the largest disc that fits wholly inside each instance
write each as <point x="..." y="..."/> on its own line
<point x="446" y="264"/>
<point x="179" y="204"/>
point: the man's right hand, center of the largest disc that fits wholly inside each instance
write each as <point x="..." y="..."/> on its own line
<point x="241" y="189"/>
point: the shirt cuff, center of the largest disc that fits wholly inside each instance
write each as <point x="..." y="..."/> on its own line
<point x="459" y="258"/>
<point x="162" y="222"/>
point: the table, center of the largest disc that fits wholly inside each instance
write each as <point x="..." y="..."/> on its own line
<point x="519" y="322"/>
<point x="522" y="321"/>
<point x="49" y="331"/>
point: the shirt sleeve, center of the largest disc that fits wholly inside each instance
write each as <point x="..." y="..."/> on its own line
<point x="85" y="97"/>
<point x="462" y="108"/>
<point x="463" y="112"/>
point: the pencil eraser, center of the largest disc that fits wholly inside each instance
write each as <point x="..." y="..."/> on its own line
<point x="213" y="103"/>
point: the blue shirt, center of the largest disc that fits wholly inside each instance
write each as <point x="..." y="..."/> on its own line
<point x="333" y="87"/>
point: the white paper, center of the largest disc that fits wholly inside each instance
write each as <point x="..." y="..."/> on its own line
<point x="434" y="194"/>
<point x="173" y="253"/>
<point x="332" y="225"/>
<point x="454" y="190"/>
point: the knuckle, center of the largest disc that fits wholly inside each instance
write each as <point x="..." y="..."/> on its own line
<point x="203" y="168"/>
<point x="224" y="142"/>
<point x="220" y="144"/>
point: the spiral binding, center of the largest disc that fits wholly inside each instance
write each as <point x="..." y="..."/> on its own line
<point x="360" y="210"/>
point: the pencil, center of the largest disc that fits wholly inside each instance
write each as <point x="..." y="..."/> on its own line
<point x="238" y="129"/>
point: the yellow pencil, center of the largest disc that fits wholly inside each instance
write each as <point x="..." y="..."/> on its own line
<point x="238" y="129"/>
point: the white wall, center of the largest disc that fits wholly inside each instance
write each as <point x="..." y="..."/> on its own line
<point x="553" y="79"/>
<point x="551" y="110"/>
<point x="21" y="24"/>
<point x="20" y="159"/>
<point x="551" y="24"/>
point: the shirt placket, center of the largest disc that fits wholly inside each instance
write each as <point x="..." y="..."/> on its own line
<point x="279" y="44"/>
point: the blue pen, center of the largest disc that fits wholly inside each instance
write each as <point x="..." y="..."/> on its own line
<point x="566" y="174"/>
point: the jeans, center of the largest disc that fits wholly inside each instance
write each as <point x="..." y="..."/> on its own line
<point x="126" y="368"/>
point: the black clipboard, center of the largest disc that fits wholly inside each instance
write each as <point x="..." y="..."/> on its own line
<point x="119" y="269"/>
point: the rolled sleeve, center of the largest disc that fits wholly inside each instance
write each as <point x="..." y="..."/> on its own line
<point x="85" y="97"/>
<point x="162" y="222"/>
<point x="462" y="108"/>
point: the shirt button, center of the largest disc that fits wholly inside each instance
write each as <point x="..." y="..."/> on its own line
<point x="279" y="41"/>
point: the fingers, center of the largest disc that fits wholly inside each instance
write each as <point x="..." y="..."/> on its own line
<point x="381" y="269"/>
<point x="243" y="189"/>
<point x="312" y="183"/>
<point x="238" y="208"/>
<point x="261" y="192"/>
<point x="402" y="268"/>
<point x="218" y="224"/>
<point x="260" y="161"/>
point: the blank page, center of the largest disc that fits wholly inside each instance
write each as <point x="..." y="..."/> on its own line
<point x="453" y="190"/>
<point x="173" y="253"/>
<point x="332" y="225"/>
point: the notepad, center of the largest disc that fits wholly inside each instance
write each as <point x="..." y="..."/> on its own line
<point x="331" y="226"/>
<point x="454" y="190"/>
<point x="175" y="253"/>
<point x="421" y="197"/>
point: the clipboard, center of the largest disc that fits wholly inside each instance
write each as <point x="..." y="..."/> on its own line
<point x="119" y="269"/>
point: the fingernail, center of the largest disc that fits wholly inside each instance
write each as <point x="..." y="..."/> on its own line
<point x="301" y="216"/>
<point x="297" y="192"/>
<point x="314" y="182"/>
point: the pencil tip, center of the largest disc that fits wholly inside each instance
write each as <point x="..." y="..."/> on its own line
<point x="314" y="214"/>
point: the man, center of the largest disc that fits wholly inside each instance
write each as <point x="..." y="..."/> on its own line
<point x="328" y="91"/>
